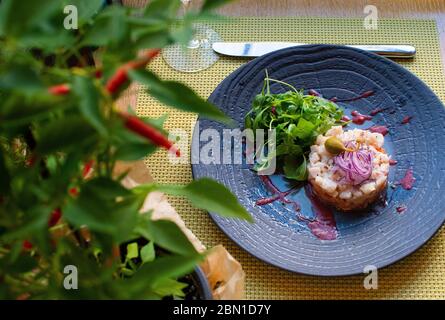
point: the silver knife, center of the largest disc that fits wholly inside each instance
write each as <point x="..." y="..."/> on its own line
<point x="256" y="49"/>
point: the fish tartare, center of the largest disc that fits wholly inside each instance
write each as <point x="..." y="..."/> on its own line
<point x="348" y="169"/>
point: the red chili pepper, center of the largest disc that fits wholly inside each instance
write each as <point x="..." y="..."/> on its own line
<point x="87" y="168"/>
<point x="146" y="57"/>
<point x="55" y="217"/>
<point x="115" y="82"/>
<point x="98" y="73"/>
<point x="27" y="245"/>
<point x="31" y="161"/>
<point x="74" y="192"/>
<point x="138" y="126"/>
<point x="59" y="90"/>
<point x="121" y="74"/>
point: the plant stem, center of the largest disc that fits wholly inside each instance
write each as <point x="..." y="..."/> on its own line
<point x="283" y="83"/>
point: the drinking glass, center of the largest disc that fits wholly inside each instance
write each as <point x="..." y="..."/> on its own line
<point x="198" y="54"/>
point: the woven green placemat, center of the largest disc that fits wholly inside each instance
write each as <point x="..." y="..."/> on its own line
<point x="421" y="275"/>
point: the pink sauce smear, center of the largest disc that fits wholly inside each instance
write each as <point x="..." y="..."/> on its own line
<point x="379" y="129"/>
<point x="276" y="194"/>
<point x="345" y="119"/>
<point x="363" y="95"/>
<point x="314" y="93"/>
<point x="401" y="209"/>
<point x="408" y="180"/>
<point x="376" y="111"/>
<point x="359" y="118"/>
<point x="324" y="226"/>
<point x="407" y="119"/>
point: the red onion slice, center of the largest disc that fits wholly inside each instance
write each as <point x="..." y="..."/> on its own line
<point x="356" y="166"/>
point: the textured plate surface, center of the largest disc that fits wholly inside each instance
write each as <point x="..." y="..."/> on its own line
<point x="376" y="238"/>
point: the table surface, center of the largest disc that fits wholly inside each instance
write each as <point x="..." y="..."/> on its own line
<point x="420" y="9"/>
<point x="423" y="9"/>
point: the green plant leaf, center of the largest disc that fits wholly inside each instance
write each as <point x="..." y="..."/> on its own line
<point x="167" y="267"/>
<point x="294" y="170"/>
<point x="124" y="216"/>
<point x="20" y="77"/>
<point x="177" y="95"/>
<point x="80" y="214"/>
<point x="169" y="236"/>
<point x="169" y="287"/>
<point x="4" y="174"/>
<point x="49" y="43"/>
<point x="289" y="148"/>
<point x="302" y="130"/>
<point x="127" y="272"/>
<point x="33" y="107"/>
<point x="149" y="32"/>
<point x="152" y="29"/>
<point x="213" y="4"/>
<point x="110" y="28"/>
<point x="35" y="223"/>
<point x="104" y="188"/>
<point x="134" y="151"/>
<point x="147" y="39"/>
<point x="89" y="103"/>
<point x="16" y="17"/>
<point x="64" y="134"/>
<point x="148" y="252"/>
<point x="85" y="9"/>
<point x="22" y="264"/>
<point x="161" y="9"/>
<point x="132" y="251"/>
<point x="158" y="123"/>
<point x="105" y="207"/>
<point x="183" y="32"/>
<point x="209" y="195"/>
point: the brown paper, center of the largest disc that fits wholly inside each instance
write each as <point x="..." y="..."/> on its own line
<point x="225" y="274"/>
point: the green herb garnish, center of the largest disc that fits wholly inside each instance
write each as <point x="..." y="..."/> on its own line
<point x="297" y="118"/>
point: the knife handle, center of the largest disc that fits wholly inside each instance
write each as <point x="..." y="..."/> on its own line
<point x="390" y="51"/>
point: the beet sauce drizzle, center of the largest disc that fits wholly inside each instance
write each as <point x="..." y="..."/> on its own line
<point x="401" y="209"/>
<point x="365" y="94"/>
<point x="376" y="111"/>
<point x="406" y="119"/>
<point x="379" y="129"/>
<point x="314" y="93"/>
<point x="276" y="194"/>
<point x="408" y="180"/>
<point x="359" y="118"/>
<point x="323" y="226"/>
<point x="392" y="162"/>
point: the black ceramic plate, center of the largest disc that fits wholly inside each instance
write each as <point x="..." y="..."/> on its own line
<point x="379" y="236"/>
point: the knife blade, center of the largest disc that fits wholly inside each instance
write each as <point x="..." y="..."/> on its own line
<point x="256" y="49"/>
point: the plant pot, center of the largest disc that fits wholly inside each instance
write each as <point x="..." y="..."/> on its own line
<point x="202" y="284"/>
